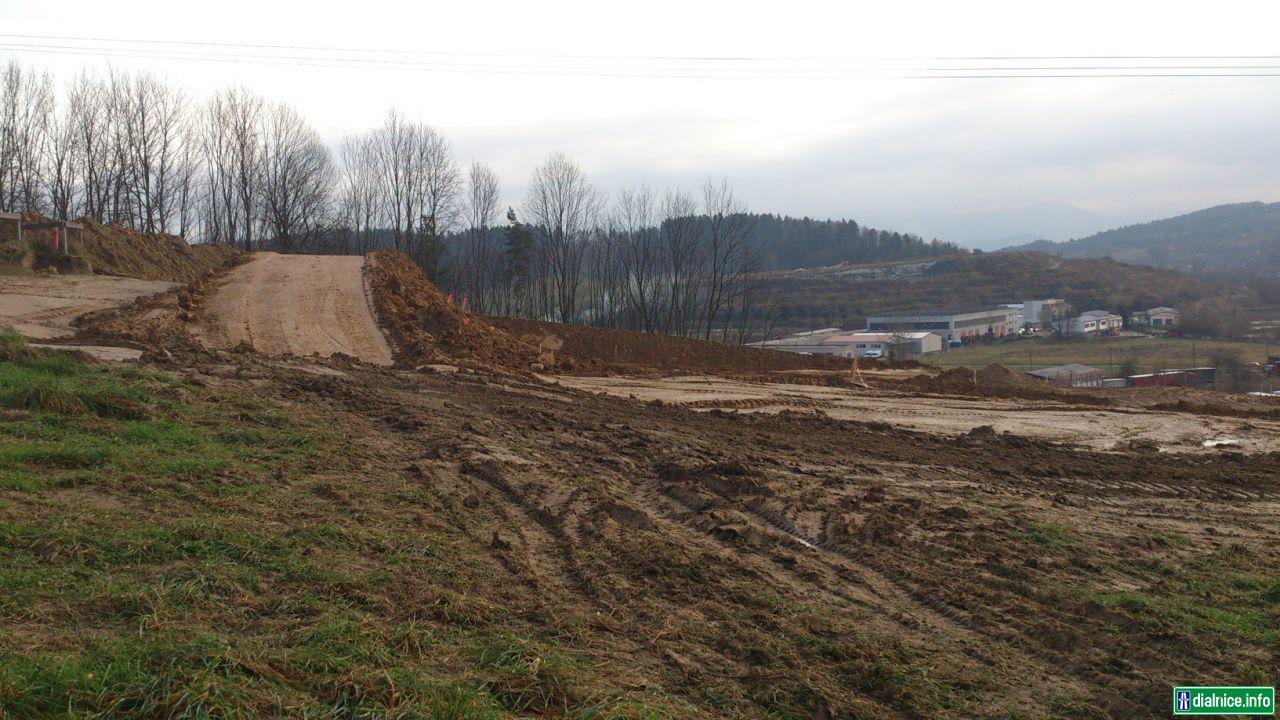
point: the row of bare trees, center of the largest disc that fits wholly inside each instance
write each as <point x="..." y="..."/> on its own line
<point x="239" y="169"/>
<point x="673" y="262"/>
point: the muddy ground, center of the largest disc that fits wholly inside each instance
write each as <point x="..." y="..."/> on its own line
<point x="1105" y="427"/>
<point x="43" y="307"/>
<point x="752" y="563"/>
<point x="730" y="547"/>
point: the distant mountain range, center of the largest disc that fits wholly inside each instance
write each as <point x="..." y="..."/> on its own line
<point x="1241" y="238"/>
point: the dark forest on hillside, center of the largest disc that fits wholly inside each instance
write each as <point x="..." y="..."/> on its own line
<point x="785" y="243"/>
<point x="1239" y="238"/>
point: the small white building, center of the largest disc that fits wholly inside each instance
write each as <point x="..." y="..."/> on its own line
<point x="1155" y="317"/>
<point x="1094" y="323"/>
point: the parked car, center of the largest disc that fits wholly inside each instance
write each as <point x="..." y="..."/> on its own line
<point x="873" y="354"/>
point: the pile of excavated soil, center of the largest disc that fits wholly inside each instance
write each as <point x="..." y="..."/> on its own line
<point x="116" y="250"/>
<point x="994" y="380"/>
<point x="589" y="350"/>
<point x="423" y="326"/>
<point x="112" y="250"/>
<point x="163" y="322"/>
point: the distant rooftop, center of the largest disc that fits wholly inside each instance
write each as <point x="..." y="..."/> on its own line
<point x="874" y="337"/>
<point x="941" y="311"/>
<point x="1065" y="371"/>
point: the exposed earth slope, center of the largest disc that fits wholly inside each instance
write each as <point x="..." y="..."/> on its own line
<point x="298" y="305"/>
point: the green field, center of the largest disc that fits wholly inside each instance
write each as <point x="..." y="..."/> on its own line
<point x="1149" y="354"/>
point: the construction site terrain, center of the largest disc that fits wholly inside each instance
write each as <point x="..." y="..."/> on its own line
<point x="435" y="512"/>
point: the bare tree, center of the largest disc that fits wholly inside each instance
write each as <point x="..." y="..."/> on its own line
<point x="62" y="168"/>
<point x="562" y="206"/>
<point x="361" y="197"/>
<point x="26" y="104"/>
<point x="393" y="147"/>
<point x="682" y="260"/>
<point x="635" y="218"/>
<point x="726" y="236"/>
<point x="1056" y="318"/>
<point x="233" y="150"/>
<point x="480" y="264"/>
<point x="899" y="343"/>
<point x="88" y="99"/>
<point x="297" y="180"/>
<point x="151" y="131"/>
<point x="436" y="186"/>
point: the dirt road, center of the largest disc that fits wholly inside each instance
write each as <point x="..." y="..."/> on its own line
<point x="42" y="307"/>
<point x="297" y="304"/>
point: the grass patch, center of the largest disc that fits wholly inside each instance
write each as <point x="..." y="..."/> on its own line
<point x="1050" y="536"/>
<point x="1218" y="595"/>
<point x="123" y="423"/>
<point x="1141" y="355"/>
<point x="527" y="678"/>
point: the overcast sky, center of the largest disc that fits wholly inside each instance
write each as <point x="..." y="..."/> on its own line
<point x="807" y="111"/>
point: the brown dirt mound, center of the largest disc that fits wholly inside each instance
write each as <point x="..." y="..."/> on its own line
<point x="423" y="326"/>
<point x="994" y="380"/>
<point x="592" y="351"/>
<point x="113" y="250"/>
<point x="116" y="250"/>
<point x="162" y="322"/>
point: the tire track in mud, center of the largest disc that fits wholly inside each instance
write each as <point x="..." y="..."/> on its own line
<point x="554" y="541"/>
<point x="891" y="595"/>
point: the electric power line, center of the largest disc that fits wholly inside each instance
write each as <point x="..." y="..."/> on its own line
<point x="933" y="68"/>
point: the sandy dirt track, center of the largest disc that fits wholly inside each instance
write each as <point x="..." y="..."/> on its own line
<point x="296" y="304"/>
<point x="1098" y="428"/>
<point x="42" y="307"/>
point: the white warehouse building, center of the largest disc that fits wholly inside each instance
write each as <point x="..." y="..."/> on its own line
<point x="950" y="324"/>
<point x="857" y="344"/>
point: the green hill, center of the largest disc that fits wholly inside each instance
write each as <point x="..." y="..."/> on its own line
<point x="1240" y="238"/>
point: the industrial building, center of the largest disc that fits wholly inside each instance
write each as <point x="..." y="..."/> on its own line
<point x="1015" y="319"/>
<point x="1038" y="313"/>
<point x="1201" y="377"/>
<point x="833" y="341"/>
<point x="1094" y="323"/>
<point x="896" y="345"/>
<point x="951" y="325"/>
<point x="1155" y="317"/>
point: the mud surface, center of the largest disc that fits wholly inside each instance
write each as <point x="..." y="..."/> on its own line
<point x="43" y="307"/>
<point x="297" y="305"/>
<point x="1103" y="427"/>
<point x="761" y="562"/>
<point x="595" y="351"/>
